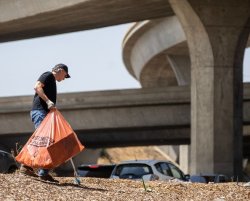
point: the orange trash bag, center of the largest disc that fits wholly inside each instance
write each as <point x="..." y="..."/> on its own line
<point x="52" y="143"/>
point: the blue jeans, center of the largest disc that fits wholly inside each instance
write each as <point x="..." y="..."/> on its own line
<point x="37" y="117"/>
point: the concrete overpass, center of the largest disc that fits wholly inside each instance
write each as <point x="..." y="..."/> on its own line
<point x="109" y="118"/>
<point x="34" y="18"/>
<point x="152" y="116"/>
<point x="155" y="56"/>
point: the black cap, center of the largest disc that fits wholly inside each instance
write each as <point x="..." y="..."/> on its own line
<point x="62" y="66"/>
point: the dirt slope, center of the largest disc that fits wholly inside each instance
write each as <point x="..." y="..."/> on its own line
<point x="116" y="155"/>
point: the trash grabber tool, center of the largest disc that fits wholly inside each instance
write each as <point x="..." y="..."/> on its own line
<point x="77" y="180"/>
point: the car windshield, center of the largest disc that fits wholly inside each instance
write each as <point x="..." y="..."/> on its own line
<point x="133" y="171"/>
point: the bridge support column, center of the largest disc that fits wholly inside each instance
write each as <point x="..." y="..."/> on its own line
<point x="184" y="157"/>
<point x="181" y="67"/>
<point x="217" y="33"/>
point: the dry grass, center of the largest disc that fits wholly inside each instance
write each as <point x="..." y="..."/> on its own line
<point x="116" y="155"/>
<point x="19" y="187"/>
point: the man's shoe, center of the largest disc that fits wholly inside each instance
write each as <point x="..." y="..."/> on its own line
<point x="27" y="171"/>
<point x="48" y="178"/>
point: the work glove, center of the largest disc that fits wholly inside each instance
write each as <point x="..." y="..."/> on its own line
<point x="50" y="104"/>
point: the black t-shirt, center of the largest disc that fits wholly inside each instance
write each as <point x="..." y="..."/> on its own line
<point x="49" y="89"/>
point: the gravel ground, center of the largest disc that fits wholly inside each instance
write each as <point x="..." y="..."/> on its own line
<point x="20" y="187"/>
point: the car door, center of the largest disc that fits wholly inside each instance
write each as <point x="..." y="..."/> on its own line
<point x="176" y="172"/>
<point x="163" y="171"/>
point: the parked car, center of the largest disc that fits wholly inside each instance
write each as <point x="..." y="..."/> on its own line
<point x="207" y="178"/>
<point x="148" y="170"/>
<point x="95" y="170"/>
<point x="8" y="163"/>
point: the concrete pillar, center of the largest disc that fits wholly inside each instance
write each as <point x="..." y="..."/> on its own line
<point x="171" y="151"/>
<point x="181" y="67"/>
<point x="184" y="158"/>
<point x="217" y="33"/>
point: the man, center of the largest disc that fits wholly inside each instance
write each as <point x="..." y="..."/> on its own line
<point x="44" y="100"/>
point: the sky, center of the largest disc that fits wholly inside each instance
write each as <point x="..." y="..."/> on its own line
<point x="94" y="58"/>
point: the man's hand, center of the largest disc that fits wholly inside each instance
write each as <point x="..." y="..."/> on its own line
<point x="50" y="104"/>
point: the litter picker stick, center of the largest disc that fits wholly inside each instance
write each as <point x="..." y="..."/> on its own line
<point x="77" y="180"/>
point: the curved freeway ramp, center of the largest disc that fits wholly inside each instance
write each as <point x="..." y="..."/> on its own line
<point x="155" y="52"/>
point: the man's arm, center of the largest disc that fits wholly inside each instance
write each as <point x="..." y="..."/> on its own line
<point x="39" y="90"/>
